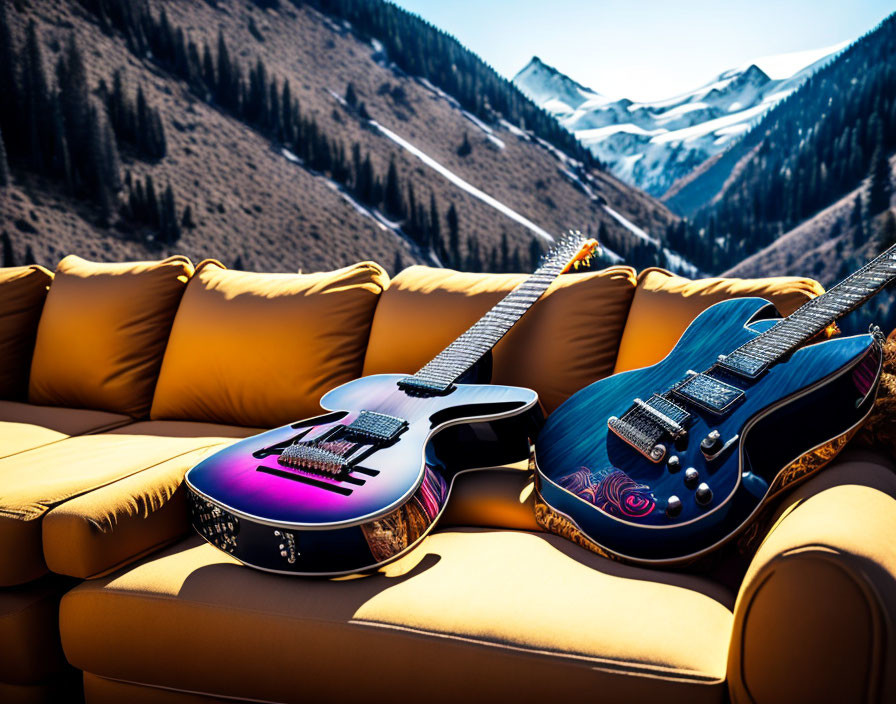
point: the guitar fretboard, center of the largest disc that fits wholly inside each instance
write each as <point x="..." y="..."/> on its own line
<point x="813" y="317"/>
<point x="452" y="362"/>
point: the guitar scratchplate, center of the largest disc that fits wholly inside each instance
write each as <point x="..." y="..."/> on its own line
<point x="709" y="393"/>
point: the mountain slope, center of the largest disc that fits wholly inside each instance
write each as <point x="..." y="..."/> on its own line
<point x="256" y="201"/>
<point x="809" y="152"/>
<point x="653" y="144"/>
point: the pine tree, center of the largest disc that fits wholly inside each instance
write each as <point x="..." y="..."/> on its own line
<point x="857" y="220"/>
<point x="515" y="263"/>
<point x="286" y="120"/>
<point x="226" y="83"/>
<point x="169" y="229"/>
<point x="151" y="213"/>
<point x="351" y="98"/>
<point x="36" y="96"/>
<point x="435" y="226"/>
<point x="534" y="254"/>
<point x="5" y="177"/>
<point x="9" y="84"/>
<point x="881" y="186"/>
<point x="453" y="237"/>
<point x="97" y="165"/>
<point x="505" y="253"/>
<point x="186" y="220"/>
<point x="465" y="147"/>
<point x="392" y="202"/>
<point x="75" y="105"/>
<point x="9" y="257"/>
<point x="887" y="231"/>
<point x="474" y="260"/>
<point x="208" y="70"/>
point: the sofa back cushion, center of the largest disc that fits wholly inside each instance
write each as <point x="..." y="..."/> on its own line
<point x="103" y="332"/>
<point x="567" y="340"/>
<point x="261" y="349"/>
<point x="665" y="304"/>
<point x="23" y="290"/>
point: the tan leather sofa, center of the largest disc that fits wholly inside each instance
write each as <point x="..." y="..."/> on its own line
<point x="116" y="378"/>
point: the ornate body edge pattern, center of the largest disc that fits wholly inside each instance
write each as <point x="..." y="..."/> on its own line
<point x="394" y="533"/>
<point x="558" y="524"/>
<point x="794" y="473"/>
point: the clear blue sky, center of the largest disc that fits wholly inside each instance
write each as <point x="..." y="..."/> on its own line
<point x="645" y="49"/>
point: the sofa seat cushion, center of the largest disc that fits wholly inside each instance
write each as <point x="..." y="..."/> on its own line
<point x="24" y="426"/>
<point x="103" y="332"/>
<point x="261" y="349"/>
<point x="566" y="341"/>
<point x="30" y="652"/>
<point x="665" y="304"/>
<point x="37" y="481"/>
<point x="22" y="293"/>
<point x="469" y="616"/>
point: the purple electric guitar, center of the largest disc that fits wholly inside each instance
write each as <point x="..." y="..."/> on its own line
<point x="357" y="487"/>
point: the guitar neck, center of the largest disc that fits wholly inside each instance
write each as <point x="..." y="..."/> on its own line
<point x="456" y="359"/>
<point x="813" y="317"/>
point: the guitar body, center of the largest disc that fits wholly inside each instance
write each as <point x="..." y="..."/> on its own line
<point x="598" y="490"/>
<point x="301" y="517"/>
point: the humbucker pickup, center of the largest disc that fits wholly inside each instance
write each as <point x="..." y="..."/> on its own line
<point x="742" y="364"/>
<point x="708" y="393"/>
<point x="376" y="426"/>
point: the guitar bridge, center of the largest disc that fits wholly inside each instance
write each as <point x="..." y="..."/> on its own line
<point x="312" y="458"/>
<point x="648" y="422"/>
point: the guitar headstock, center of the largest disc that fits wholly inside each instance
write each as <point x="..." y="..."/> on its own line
<point x="573" y="251"/>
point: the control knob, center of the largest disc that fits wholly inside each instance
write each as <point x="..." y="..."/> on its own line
<point x="712" y="443"/>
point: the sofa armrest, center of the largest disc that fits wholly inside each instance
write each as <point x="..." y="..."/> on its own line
<point x="816" y="612"/>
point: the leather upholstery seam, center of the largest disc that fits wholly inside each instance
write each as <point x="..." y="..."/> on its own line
<point x="184" y="691"/>
<point x="619" y="667"/>
<point x="652" y="671"/>
<point x="92" y="431"/>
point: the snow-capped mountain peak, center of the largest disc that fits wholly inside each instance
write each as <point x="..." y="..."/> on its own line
<point x="552" y="90"/>
<point x="652" y="144"/>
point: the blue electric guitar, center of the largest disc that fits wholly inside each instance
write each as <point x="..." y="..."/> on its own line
<point x="662" y="464"/>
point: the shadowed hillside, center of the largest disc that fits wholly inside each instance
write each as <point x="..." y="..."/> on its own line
<point x="282" y="137"/>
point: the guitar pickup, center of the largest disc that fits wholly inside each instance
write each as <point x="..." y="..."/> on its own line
<point x="708" y="393"/>
<point x="742" y="364"/>
<point x="378" y="427"/>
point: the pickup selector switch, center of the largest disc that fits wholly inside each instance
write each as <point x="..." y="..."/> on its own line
<point x="691" y="477"/>
<point x="673" y="463"/>
<point x="704" y="494"/>
<point x="712" y="443"/>
<point x="673" y="506"/>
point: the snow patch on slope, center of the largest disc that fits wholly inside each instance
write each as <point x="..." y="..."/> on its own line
<point x="461" y="183"/>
